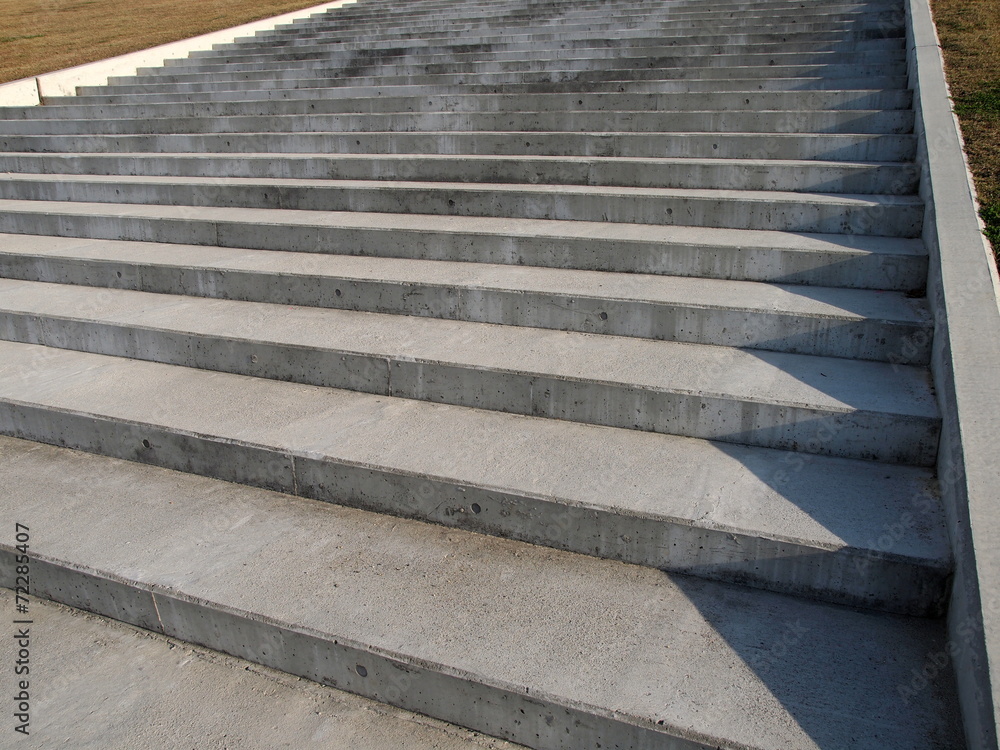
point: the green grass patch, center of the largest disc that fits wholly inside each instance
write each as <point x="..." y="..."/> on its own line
<point x="984" y="102"/>
<point x="991" y="216"/>
<point x="8" y="39"/>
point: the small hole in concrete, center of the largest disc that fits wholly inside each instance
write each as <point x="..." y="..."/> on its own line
<point x="361" y="670"/>
<point x="603" y="316"/>
<point x="476" y="508"/>
<point x="119" y="274"/>
<point x="337" y="292"/>
<point x="145" y="444"/>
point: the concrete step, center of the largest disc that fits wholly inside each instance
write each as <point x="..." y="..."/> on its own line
<point x="707" y="76"/>
<point x="594" y="13"/>
<point x="112" y="686"/>
<point x="685" y="67"/>
<point x="572" y="59"/>
<point x="857" y="324"/>
<point x="873" y="24"/>
<point x="723" y="174"/>
<point x="810" y="530"/>
<point x="630" y="42"/>
<point x="875" y="215"/>
<point x="777" y="400"/>
<point x="837" y="148"/>
<point x="504" y="47"/>
<point x="549" y="39"/>
<point x="884" y="23"/>
<point x="354" y="15"/>
<point x="483" y="39"/>
<point x="590" y="651"/>
<point x="777" y="121"/>
<point x="620" y="88"/>
<point x="823" y="260"/>
<point x="311" y="104"/>
<point x="498" y="83"/>
<point x="875" y="19"/>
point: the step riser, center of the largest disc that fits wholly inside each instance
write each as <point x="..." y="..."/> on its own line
<point x="623" y="41"/>
<point x="605" y="15"/>
<point x="884" y="217"/>
<point x="721" y="146"/>
<point x="503" y="84"/>
<point x="881" y="437"/>
<point x="537" y="49"/>
<point x="863" y="271"/>
<point x="887" y="24"/>
<point x="707" y="76"/>
<point x="879" y="20"/>
<point x="868" y="339"/>
<point x="541" y="40"/>
<point x="821" y="178"/>
<point x="624" y="89"/>
<point x="868" y="122"/>
<point x="405" y="64"/>
<point x="352" y="16"/>
<point x="489" y="103"/>
<point x="860" y="580"/>
<point x="549" y="36"/>
<point x="721" y="67"/>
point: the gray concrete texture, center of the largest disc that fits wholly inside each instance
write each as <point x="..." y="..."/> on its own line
<point x="598" y="328"/>
<point x="94" y="677"/>
<point x="406" y="612"/>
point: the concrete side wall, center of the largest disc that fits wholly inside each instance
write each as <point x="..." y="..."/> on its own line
<point x="962" y="288"/>
<point x="29" y="92"/>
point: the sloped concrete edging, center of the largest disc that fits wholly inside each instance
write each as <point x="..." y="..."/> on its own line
<point x="962" y="290"/>
<point x="29" y="92"/>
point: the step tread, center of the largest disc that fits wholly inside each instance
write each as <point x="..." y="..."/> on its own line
<point x="100" y="660"/>
<point x="820" y="302"/>
<point x="822" y="384"/>
<point x="823" y="504"/>
<point x="804" y="101"/>
<point x="768" y="197"/>
<point x="498" y="143"/>
<point x="668" y="654"/>
<point x="692" y="161"/>
<point x="706" y="237"/>
<point x="773" y="175"/>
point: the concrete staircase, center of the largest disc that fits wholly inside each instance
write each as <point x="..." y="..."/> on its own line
<point x="598" y="326"/>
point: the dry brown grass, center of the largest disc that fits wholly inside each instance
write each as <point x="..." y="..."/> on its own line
<point x="970" y="38"/>
<point x="39" y="36"/>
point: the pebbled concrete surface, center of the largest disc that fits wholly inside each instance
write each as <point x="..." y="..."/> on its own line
<point x="722" y="510"/>
<point x="98" y="684"/>
<point x="460" y="625"/>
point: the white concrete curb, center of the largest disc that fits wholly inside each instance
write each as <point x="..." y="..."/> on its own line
<point x="962" y="291"/>
<point x="28" y="92"/>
